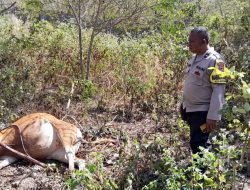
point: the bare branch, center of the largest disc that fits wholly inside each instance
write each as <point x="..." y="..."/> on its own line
<point x="75" y="15"/>
<point x="114" y="22"/>
<point x="6" y="9"/>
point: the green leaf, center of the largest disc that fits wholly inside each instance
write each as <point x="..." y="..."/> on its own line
<point x="247" y="106"/>
<point x="244" y="84"/>
<point x="113" y="184"/>
<point x="232" y="69"/>
<point x="241" y="110"/>
<point x="229" y="97"/>
<point x="208" y="180"/>
<point x="248" y="91"/>
<point x="234" y="109"/>
<point x="195" y="156"/>
<point x="241" y="75"/>
<point x="236" y="121"/>
<point x="92" y="168"/>
<point x="211" y="68"/>
<point x="222" y="178"/>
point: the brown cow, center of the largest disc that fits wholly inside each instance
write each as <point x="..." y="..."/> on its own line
<point x="41" y="136"/>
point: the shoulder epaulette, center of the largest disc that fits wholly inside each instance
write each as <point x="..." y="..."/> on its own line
<point x="217" y="55"/>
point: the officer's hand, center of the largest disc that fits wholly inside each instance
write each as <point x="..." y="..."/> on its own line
<point x="210" y="125"/>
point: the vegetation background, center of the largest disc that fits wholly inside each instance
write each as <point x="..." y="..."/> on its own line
<point x="109" y="65"/>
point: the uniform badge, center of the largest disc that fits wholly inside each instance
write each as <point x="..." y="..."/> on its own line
<point x="215" y="76"/>
<point x="221" y="66"/>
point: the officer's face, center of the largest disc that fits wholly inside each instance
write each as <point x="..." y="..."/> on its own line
<point x="195" y="43"/>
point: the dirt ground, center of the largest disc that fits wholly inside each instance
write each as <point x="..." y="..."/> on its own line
<point x="99" y="136"/>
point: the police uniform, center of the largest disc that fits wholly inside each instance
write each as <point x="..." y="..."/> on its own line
<point x="203" y="94"/>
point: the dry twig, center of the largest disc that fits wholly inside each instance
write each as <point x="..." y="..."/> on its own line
<point x="6" y="9"/>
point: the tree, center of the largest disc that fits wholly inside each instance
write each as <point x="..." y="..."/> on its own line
<point x="98" y="15"/>
<point x="104" y="15"/>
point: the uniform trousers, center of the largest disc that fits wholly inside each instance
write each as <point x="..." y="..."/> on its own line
<point x="197" y="137"/>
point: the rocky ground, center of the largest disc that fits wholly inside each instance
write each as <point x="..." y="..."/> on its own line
<point x="23" y="175"/>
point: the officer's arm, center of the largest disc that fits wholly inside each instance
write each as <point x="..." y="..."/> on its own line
<point x="218" y="87"/>
<point x="216" y="102"/>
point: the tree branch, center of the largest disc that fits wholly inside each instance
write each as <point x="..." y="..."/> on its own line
<point x="6" y="9"/>
<point x="75" y="15"/>
<point x="114" y="22"/>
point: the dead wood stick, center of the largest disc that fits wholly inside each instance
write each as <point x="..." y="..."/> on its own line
<point x="6" y="9"/>
<point x="23" y="155"/>
<point x="71" y="94"/>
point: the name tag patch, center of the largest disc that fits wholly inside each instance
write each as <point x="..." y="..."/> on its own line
<point x="200" y="68"/>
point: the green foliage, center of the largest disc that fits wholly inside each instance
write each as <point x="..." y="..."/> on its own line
<point x="240" y="98"/>
<point x="92" y="177"/>
<point x="32" y="7"/>
<point x="15" y="74"/>
<point x="39" y="61"/>
<point x="212" y="170"/>
<point x="206" y="171"/>
<point x="88" y="89"/>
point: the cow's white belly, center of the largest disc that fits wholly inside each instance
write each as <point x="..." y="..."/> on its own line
<point x="46" y="136"/>
<point x="42" y="142"/>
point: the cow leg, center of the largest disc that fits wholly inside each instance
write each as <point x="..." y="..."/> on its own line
<point x="67" y="154"/>
<point x="80" y="163"/>
<point x="63" y="156"/>
<point x="68" y="158"/>
<point x="71" y="156"/>
<point x="6" y="160"/>
<point x="72" y="160"/>
<point x="72" y="151"/>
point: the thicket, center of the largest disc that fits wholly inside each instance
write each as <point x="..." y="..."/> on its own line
<point x="135" y="72"/>
<point x="125" y="71"/>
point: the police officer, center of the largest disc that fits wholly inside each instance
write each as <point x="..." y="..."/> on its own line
<point x="203" y="93"/>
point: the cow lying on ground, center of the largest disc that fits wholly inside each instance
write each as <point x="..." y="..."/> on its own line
<point x="41" y="136"/>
